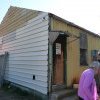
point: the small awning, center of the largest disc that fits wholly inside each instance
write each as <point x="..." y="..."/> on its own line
<point x="54" y="34"/>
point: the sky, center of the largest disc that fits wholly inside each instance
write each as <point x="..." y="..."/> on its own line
<point x="85" y="13"/>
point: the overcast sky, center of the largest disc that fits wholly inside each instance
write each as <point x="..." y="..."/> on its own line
<point x="85" y="13"/>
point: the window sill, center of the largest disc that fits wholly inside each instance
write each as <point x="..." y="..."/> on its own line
<point x="86" y="65"/>
<point x="83" y="64"/>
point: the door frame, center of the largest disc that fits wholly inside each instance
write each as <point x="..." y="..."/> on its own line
<point x="54" y="87"/>
<point x="50" y="61"/>
<point x="64" y="61"/>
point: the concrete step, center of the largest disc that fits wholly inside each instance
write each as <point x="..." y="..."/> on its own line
<point x="73" y="97"/>
<point x="58" y="87"/>
<point x="60" y="95"/>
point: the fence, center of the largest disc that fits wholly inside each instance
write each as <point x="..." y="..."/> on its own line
<point x="3" y="64"/>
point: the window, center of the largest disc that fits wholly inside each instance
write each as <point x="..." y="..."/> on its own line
<point x="83" y="41"/>
<point x="83" y="49"/>
<point x="83" y="57"/>
<point x="94" y="54"/>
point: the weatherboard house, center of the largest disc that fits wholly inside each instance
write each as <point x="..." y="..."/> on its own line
<point x="46" y="52"/>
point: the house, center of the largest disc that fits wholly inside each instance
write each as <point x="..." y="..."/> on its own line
<point x="45" y="51"/>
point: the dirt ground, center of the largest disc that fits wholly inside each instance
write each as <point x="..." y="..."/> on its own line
<point x="12" y="94"/>
<point x="5" y="95"/>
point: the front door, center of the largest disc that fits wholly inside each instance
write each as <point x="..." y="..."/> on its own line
<point x="58" y="60"/>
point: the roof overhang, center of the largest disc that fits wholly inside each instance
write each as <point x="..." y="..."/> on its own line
<point x="54" y="34"/>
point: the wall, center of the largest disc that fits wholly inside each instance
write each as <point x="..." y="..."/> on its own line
<point x="73" y="48"/>
<point x="16" y="18"/>
<point x="28" y="54"/>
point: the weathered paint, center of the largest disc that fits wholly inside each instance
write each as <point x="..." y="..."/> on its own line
<point x="28" y="49"/>
<point x="16" y="18"/>
<point x="73" y="48"/>
<point x="25" y="36"/>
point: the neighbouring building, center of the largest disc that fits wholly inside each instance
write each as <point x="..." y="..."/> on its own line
<point x="45" y="51"/>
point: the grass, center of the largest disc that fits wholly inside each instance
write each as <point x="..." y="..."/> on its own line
<point x="24" y="95"/>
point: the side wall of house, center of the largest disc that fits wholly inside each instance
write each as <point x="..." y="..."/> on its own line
<point x="28" y="54"/>
<point x="73" y="48"/>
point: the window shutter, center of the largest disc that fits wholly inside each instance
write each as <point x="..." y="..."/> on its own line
<point x="83" y="40"/>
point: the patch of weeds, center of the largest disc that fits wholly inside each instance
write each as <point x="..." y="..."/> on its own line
<point x="7" y="87"/>
<point x="13" y="89"/>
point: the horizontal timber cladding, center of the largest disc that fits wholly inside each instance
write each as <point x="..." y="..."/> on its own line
<point x="28" y="54"/>
<point x="16" y="18"/>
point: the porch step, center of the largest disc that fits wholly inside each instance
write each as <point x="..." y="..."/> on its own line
<point x="58" y="87"/>
<point x="73" y="97"/>
<point x="60" y="95"/>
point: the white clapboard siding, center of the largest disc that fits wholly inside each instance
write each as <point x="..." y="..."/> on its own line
<point x="37" y="53"/>
<point x="28" y="32"/>
<point x="25" y="73"/>
<point x="28" y="62"/>
<point x="30" y="58"/>
<point x="28" y="54"/>
<point x="31" y="67"/>
<point x="27" y="39"/>
<point x="34" y="72"/>
<point x="1" y="40"/>
<point x="37" y="31"/>
<point x="34" y="25"/>
<point x="2" y="52"/>
<point x="29" y="76"/>
<point x="26" y="50"/>
<point x="28" y="70"/>
<point x="33" y="43"/>
<point x="1" y="43"/>
<point x="28" y="80"/>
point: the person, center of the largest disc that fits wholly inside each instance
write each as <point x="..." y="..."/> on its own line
<point x="87" y="85"/>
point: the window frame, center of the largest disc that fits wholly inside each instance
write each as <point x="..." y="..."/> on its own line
<point x="84" y="56"/>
